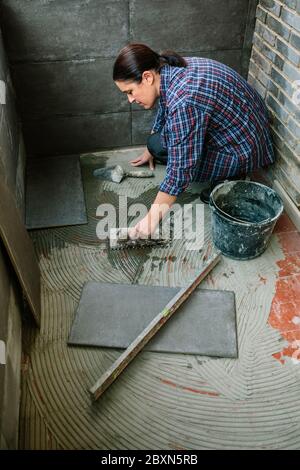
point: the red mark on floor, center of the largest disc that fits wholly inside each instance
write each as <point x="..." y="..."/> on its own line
<point x="202" y="392"/>
<point x="262" y="279"/>
<point x="175" y="446"/>
<point x="189" y="389"/>
<point x="285" y="308"/>
<point x="35" y="385"/>
<point x="170" y="260"/>
<point x="290" y="265"/>
<point x="284" y="224"/>
<point x="290" y="242"/>
<point x="210" y="279"/>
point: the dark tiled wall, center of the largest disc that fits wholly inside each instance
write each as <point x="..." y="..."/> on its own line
<point x="12" y="164"/>
<point x="61" y="54"/>
<point x="11" y="151"/>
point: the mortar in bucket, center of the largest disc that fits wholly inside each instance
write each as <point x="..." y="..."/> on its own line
<point x="244" y="214"/>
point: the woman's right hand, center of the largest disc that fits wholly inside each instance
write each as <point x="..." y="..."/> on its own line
<point x="146" y="157"/>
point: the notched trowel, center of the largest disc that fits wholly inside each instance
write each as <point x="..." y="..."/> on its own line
<point x="119" y="239"/>
<point x="116" y="173"/>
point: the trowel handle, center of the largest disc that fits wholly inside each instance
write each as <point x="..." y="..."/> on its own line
<point x="140" y="173"/>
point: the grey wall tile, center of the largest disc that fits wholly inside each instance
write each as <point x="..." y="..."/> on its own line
<point x="272" y="6"/>
<point x="263" y="78"/>
<point x="264" y="48"/>
<point x="293" y="73"/>
<point x="292" y="19"/>
<point x="141" y="126"/>
<point x="186" y="25"/>
<point x="67" y="87"/>
<point x="295" y="41"/>
<point x="5" y="273"/>
<point x="12" y="116"/>
<point x="11" y="394"/>
<point x="261" y="14"/>
<point x="4" y="145"/>
<point x="260" y="89"/>
<point x="290" y="3"/>
<point x="284" y="132"/>
<point x="3" y="61"/>
<point x="289" y="105"/>
<point x="266" y="34"/>
<point x="278" y="27"/>
<point x="8" y="158"/>
<point x="52" y="29"/>
<point x="281" y="81"/>
<point x="273" y="88"/>
<point x="20" y="179"/>
<point x="253" y="69"/>
<point x="277" y="108"/>
<point x="10" y="305"/>
<point x="261" y="61"/>
<point x="294" y="127"/>
<point x="69" y="135"/>
<point x="9" y="139"/>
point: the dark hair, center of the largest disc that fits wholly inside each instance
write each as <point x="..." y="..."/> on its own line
<point x="134" y="59"/>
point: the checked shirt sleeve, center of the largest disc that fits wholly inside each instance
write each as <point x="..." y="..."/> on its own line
<point x="186" y="129"/>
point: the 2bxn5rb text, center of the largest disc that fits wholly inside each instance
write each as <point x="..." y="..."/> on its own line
<point x="150" y="459"/>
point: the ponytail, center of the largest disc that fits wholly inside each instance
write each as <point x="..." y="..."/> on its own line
<point x="134" y="59"/>
<point x="173" y="59"/>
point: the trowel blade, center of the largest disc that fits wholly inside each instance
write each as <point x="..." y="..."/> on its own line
<point x="111" y="173"/>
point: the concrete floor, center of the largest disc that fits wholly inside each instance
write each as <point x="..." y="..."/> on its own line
<point x="163" y="401"/>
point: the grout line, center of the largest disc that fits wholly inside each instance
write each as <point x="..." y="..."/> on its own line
<point x="20" y="62"/>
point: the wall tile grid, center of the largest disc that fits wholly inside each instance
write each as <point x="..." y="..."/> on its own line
<point x="61" y="54"/>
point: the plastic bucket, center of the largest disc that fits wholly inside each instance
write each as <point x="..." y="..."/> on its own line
<point x="244" y="214"/>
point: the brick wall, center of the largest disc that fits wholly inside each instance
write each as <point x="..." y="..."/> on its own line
<point x="274" y="72"/>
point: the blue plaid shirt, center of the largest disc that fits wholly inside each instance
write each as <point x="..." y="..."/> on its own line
<point x="212" y="122"/>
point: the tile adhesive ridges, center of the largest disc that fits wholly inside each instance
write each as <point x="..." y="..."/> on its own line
<point x="162" y="401"/>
